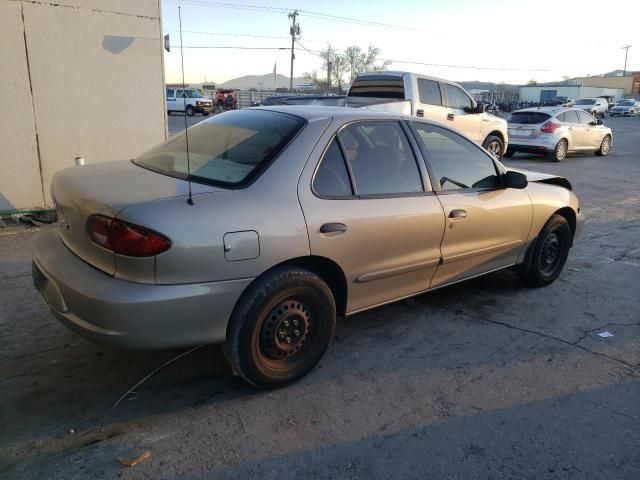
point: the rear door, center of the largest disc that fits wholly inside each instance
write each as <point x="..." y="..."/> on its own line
<point x="429" y="103"/>
<point x="369" y="207"/>
<point x="459" y="106"/>
<point x="486" y="224"/>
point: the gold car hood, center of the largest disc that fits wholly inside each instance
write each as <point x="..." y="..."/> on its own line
<point x="545" y="178"/>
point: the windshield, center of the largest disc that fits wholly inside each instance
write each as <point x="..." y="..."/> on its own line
<point x="528" y="118"/>
<point x="562" y="99"/>
<point x="193" y="94"/>
<point x="626" y="103"/>
<point x="586" y="101"/>
<point x="227" y="149"/>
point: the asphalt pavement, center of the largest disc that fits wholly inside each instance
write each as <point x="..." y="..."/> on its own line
<point x="487" y="379"/>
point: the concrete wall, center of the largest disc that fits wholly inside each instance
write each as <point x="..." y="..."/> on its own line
<point x="85" y="77"/>
<point x="574" y="92"/>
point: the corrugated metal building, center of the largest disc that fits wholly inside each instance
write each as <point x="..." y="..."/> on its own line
<point x="542" y="93"/>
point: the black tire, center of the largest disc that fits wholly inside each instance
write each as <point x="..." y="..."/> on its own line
<point x="205" y="114"/>
<point x="263" y="344"/>
<point x="168" y="112"/>
<point x="550" y="253"/>
<point x="560" y="152"/>
<point x="494" y="145"/>
<point x="509" y="153"/>
<point x="605" y="146"/>
<point x="189" y="111"/>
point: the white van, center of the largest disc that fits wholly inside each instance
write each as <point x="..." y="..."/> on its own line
<point x="187" y="100"/>
<point x="435" y="99"/>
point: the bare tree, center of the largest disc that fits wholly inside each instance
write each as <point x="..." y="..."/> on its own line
<point x="349" y="64"/>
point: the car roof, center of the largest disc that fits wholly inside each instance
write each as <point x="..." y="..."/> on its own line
<point x="316" y="112"/>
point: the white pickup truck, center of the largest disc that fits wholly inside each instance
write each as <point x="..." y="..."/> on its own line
<point x="435" y="99"/>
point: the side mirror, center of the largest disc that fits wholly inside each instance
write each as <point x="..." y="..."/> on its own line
<point x="515" y="180"/>
<point x="599" y="121"/>
<point x="479" y="108"/>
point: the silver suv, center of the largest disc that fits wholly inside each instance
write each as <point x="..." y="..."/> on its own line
<point x="598" y="107"/>
<point x="555" y="131"/>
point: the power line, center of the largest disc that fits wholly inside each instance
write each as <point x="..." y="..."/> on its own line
<point x="230" y="47"/>
<point x="249" y="35"/>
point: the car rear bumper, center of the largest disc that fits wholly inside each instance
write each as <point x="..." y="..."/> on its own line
<point x="540" y="144"/>
<point x="120" y="313"/>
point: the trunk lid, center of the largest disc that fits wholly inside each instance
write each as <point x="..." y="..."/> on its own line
<point x="107" y="188"/>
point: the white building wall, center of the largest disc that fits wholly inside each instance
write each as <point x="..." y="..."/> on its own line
<point x="574" y="92"/>
<point x="87" y="79"/>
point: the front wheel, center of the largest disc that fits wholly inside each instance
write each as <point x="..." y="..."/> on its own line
<point x="605" y="146"/>
<point x="189" y="111"/>
<point x="550" y="252"/>
<point x="494" y="146"/>
<point x="280" y="327"/>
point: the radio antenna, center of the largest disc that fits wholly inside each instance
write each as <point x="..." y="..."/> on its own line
<point x="184" y="101"/>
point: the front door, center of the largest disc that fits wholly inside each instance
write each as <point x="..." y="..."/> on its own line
<point x="486" y="224"/>
<point x="369" y="207"/>
<point x="459" y="106"/>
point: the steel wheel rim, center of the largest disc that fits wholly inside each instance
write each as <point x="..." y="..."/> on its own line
<point x="286" y="329"/>
<point x="494" y="149"/>
<point x="550" y="253"/>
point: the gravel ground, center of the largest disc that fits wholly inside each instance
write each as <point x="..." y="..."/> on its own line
<point x="483" y="380"/>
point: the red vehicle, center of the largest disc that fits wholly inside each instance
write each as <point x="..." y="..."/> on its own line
<point x="226" y="99"/>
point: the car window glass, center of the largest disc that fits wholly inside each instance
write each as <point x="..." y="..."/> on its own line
<point x="429" y="92"/>
<point x="332" y="178"/>
<point x="171" y="92"/>
<point x="458" y="162"/>
<point x="456" y="98"/>
<point x="585" y="118"/>
<point x="380" y="158"/>
<point x="179" y="93"/>
<point x="571" y="117"/>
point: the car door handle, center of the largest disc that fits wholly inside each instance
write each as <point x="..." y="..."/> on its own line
<point x="420" y="113"/>
<point x="459" y="213"/>
<point x="333" y="228"/>
<point x="450" y="116"/>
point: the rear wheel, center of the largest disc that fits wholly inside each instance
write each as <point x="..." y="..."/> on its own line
<point x="560" y="152"/>
<point x="550" y="252"/>
<point x="605" y="146"/>
<point x="281" y="327"/>
<point x="494" y="146"/>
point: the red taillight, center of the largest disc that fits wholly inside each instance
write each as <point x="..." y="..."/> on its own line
<point x="549" y="127"/>
<point x="124" y="238"/>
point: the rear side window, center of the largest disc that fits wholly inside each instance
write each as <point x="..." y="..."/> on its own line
<point x="569" y="117"/>
<point x="429" y="92"/>
<point x="456" y="98"/>
<point x="459" y="164"/>
<point x="379" y="86"/>
<point x="227" y="149"/>
<point x="585" y="118"/>
<point x="171" y="92"/>
<point x="380" y="158"/>
<point x="528" y="118"/>
<point x="332" y="178"/>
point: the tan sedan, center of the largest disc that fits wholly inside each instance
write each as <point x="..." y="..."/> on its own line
<point x="281" y="219"/>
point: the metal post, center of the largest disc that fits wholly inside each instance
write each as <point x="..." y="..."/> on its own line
<point x="626" y="49"/>
<point x="294" y="30"/>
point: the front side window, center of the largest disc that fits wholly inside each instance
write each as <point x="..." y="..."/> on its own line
<point x="380" y="158"/>
<point x="429" y="92"/>
<point x="458" y="163"/>
<point x="226" y="149"/>
<point x="585" y="118"/>
<point x="332" y="178"/>
<point x="456" y="98"/>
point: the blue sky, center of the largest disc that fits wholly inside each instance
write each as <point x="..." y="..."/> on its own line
<point x="513" y="41"/>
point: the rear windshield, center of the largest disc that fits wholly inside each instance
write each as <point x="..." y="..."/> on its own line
<point x="528" y="118"/>
<point x="228" y="150"/>
<point x="380" y="86"/>
<point x="586" y="101"/>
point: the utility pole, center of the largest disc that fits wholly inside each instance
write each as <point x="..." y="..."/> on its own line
<point x="626" y="48"/>
<point x="294" y="30"/>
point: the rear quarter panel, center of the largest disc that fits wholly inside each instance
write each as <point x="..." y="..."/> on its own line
<point x="269" y="207"/>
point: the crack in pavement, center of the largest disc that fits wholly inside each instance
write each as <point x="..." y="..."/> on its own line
<point x="612" y="324"/>
<point x="632" y="366"/>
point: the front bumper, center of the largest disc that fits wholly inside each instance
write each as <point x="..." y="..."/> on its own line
<point x="204" y="108"/>
<point x="626" y="113"/>
<point x="119" y="313"/>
